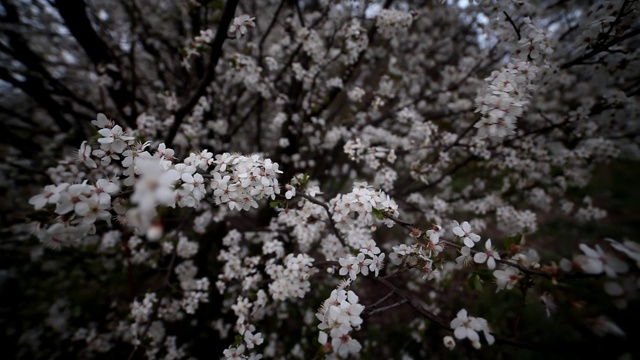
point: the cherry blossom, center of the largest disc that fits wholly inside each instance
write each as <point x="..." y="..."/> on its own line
<point x="489" y="256"/>
<point x="465" y="233"/>
<point x="597" y="261"/>
<point x="84" y="155"/>
<point x="467" y="327"/>
<point x="241" y="24"/>
<point x="506" y="278"/>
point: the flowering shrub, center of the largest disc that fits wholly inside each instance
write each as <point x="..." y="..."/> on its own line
<point x="316" y="179"/>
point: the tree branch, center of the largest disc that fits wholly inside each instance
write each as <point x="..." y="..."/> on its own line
<point x="329" y="215"/>
<point x="598" y="49"/>
<point x="209" y="76"/>
<point x="74" y="14"/>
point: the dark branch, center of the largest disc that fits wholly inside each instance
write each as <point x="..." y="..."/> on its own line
<point x="510" y="20"/>
<point x="209" y="76"/>
<point x="329" y="215"/>
<point x="74" y="14"/>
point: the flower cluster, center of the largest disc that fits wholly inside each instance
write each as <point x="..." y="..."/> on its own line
<point x="421" y="255"/>
<point x="141" y="313"/>
<point x="392" y="22"/>
<point x="143" y="329"/>
<point x="513" y="221"/>
<point x="468" y="327"/>
<point x="535" y="43"/>
<point x="361" y="207"/>
<point x="368" y="259"/>
<point x="239" y="180"/>
<point x="509" y="276"/>
<point x="198" y="43"/>
<point x="355" y="41"/>
<point x="195" y="290"/>
<point x="292" y="279"/>
<point x="93" y="202"/>
<point x="78" y="207"/>
<point x="160" y="182"/>
<point x="504" y="99"/>
<point x="243" y="309"/>
<point x="304" y="225"/>
<point x="339" y="315"/>
<point x="240" y="24"/>
<point x="357" y="150"/>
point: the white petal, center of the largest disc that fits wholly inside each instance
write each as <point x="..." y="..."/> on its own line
<point x="460" y="333"/>
<point x="589" y="251"/>
<point x="487" y="245"/>
<point x="462" y="314"/>
<point x="473" y="336"/>
<point x="469" y="242"/>
<point x="480" y="257"/>
<point x="458" y="231"/>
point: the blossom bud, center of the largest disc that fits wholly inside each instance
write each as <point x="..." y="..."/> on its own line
<point x="155" y="232"/>
<point x="449" y="342"/>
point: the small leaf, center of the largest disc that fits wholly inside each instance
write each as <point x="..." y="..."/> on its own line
<point x="475" y="283"/>
<point x="512" y="240"/>
<point x="378" y="214"/>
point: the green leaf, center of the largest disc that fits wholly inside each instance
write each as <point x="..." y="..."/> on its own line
<point x="305" y="179"/>
<point x="378" y="214"/>
<point x="512" y="240"/>
<point x="475" y="283"/>
<point x="301" y="179"/>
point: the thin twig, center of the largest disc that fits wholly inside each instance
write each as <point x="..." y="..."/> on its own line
<point x="512" y="24"/>
<point x="443" y="323"/>
<point x="385" y="308"/>
<point x="209" y="76"/>
<point x="299" y="11"/>
<point x="329" y="215"/>
<point x="472" y="251"/>
<point x="165" y="286"/>
<point x="600" y="49"/>
<point x="414" y="303"/>
<point x="381" y="300"/>
<point x="268" y="31"/>
<point x="506" y="262"/>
